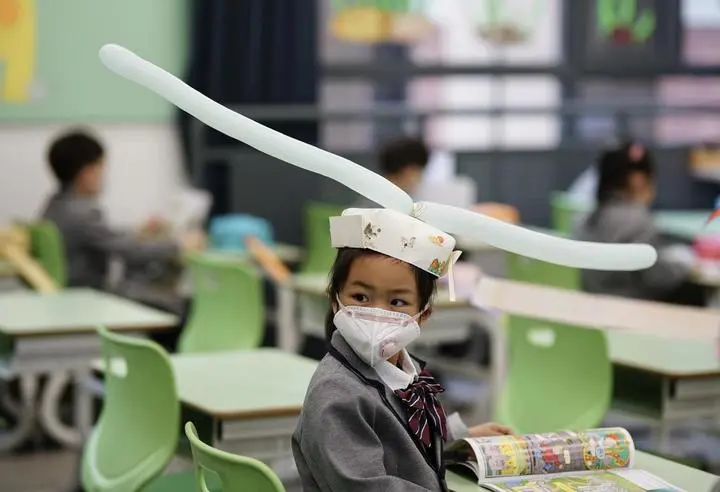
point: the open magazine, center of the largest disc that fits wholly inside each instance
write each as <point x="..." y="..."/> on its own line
<point x="596" y="460"/>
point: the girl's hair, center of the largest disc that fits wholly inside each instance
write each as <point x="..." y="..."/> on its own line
<point x="425" y="282"/>
<point x="616" y="166"/>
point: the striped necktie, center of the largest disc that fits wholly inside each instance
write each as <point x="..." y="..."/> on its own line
<point x="424" y="411"/>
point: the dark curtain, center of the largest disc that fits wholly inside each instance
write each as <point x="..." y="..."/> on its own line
<point x="249" y="52"/>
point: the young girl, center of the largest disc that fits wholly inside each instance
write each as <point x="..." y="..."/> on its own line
<point x="625" y="193"/>
<point x="371" y="419"/>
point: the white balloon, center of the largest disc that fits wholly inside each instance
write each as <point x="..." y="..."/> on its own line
<point x="526" y="242"/>
<point x="369" y="184"/>
<point x="599" y="256"/>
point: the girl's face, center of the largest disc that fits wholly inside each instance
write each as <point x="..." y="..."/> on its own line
<point x="381" y="282"/>
<point x="641" y="188"/>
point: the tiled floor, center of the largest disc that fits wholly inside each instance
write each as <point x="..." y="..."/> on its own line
<point x="58" y="471"/>
<point x="42" y="471"/>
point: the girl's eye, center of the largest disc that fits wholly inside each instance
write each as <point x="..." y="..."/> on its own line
<point x="399" y="303"/>
<point x="360" y="297"/>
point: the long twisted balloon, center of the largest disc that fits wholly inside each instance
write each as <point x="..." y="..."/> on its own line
<point x="127" y="64"/>
<point x="579" y="254"/>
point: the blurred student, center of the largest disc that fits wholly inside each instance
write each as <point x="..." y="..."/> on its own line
<point x="585" y="187"/>
<point x="625" y="193"/>
<point x="402" y="161"/>
<point x="77" y="161"/>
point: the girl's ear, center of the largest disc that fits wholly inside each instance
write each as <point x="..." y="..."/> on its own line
<point x="425" y="316"/>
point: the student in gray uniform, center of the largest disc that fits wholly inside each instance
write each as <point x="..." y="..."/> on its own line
<point x="626" y="190"/>
<point x="371" y="419"/>
<point x="76" y="160"/>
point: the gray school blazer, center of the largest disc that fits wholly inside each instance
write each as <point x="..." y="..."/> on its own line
<point x="620" y="221"/>
<point x="352" y="434"/>
<point x="90" y="242"/>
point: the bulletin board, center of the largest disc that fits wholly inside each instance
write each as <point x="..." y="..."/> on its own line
<point x="613" y="34"/>
<point x="50" y="70"/>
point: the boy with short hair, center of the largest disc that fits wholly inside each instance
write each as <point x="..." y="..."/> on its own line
<point x="77" y="161"/>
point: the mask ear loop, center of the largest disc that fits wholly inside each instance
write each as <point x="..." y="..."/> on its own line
<point x="340" y="304"/>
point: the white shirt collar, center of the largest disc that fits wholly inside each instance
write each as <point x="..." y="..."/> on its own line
<point x="394" y="377"/>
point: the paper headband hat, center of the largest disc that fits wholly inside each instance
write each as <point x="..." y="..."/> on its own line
<point x="394" y="234"/>
<point x="452" y="220"/>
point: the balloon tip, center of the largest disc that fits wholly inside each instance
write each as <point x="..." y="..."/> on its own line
<point x="114" y="56"/>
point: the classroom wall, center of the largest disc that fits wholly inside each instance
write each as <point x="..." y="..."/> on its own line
<point x="70" y="87"/>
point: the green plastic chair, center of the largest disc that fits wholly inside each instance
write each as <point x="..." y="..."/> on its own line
<point x="48" y="249"/>
<point x="228" y="307"/>
<point x="559" y="377"/>
<point x="566" y="212"/>
<point x="524" y="269"/>
<point x="137" y="433"/>
<point x="234" y="473"/>
<point x="320" y="253"/>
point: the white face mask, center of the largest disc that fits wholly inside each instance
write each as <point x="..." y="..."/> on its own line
<point x="376" y="334"/>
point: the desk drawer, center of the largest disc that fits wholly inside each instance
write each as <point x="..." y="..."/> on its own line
<point x="697" y="388"/>
<point x="263" y="438"/>
<point x="693" y="408"/>
<point x="258" y="428"/>
<point x="263" y="449"/>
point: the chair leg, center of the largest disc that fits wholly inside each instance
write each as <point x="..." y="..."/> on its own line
<point x="25" y="415"/>
<point x="50" y="411"/>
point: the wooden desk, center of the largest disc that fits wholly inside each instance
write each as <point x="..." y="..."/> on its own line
<point x="669" y="380"/>
<point x="682" y="476"/>
<point x="679" y="359"/>
<point x="248" y="400"/>
<point x="685" y="360"/>
<point x="53" y="335"/>
<point x="75" y="311"/>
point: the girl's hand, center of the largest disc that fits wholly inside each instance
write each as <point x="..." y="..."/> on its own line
<point x="490" y="429"/>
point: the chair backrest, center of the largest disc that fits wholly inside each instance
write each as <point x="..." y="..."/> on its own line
<point x="567" y="212"/>
<point x="524" y="269"/>
<point x="235" y="473"/>
<point x="559" y="377"/>
<point x="551" y="363"/>
<point x="320" y="253"/>
<point x="48" y="249"/>
<point x="137" y="433"/>
<point x="228" y="308"/>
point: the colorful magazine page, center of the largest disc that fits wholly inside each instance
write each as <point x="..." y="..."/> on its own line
<point x="541" y="454"/>
<point x="595" y="460"/>
<point x="601" y="481"/>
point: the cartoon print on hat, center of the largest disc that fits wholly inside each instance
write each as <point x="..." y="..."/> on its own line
<point x="407" y="243"/>
<point x="438" y="268"/>
<point x="439" y="240"/>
